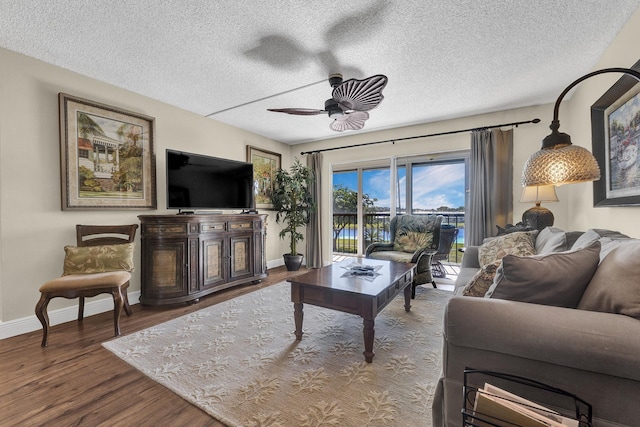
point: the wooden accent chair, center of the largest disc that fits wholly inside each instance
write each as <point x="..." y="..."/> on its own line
<point x="100" y="263"/>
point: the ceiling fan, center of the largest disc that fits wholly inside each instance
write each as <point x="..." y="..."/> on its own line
<point x="350" y="100"/>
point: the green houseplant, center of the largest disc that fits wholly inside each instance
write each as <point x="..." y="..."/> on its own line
<point x="293" y="204"/>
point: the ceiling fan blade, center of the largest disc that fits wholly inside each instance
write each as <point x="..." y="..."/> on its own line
<point x="350" y="121"/>
<point x="297" y="111"/>
<point x="361" y="95"/>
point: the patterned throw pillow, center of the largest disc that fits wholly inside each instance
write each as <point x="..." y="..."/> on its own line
<point x="411" y="241"/>
<point x="482" y="280"/>
<point x="98" y="259"/>
<point x="413" y="233"/>
<point x="521" y="243"/>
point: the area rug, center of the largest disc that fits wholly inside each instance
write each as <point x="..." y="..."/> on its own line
<point x="239" y="361"/>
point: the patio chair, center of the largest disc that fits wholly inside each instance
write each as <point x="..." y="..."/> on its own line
<point x="448" y="235"/>
<point x="414" y="239"/>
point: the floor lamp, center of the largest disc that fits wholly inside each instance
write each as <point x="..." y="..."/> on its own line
<point x="558" y="161"/>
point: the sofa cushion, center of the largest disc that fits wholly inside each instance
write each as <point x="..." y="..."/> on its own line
<point x="615" y="287"/>
<point x="521" y="243"/>
<point x="557" y="279"/>
<point x="594" y="234"/>
<point x="585" y="240"/>
<point x="98" y="259"/>
<point x="481" y="281"/>
<point x="551" y="240"/>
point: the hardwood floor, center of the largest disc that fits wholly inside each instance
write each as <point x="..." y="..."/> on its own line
<point x="76" y="382"/>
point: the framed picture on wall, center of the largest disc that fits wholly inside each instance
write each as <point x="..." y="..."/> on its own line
<point x="107" y="158"/>
<point x="265" y="166"/>
<point x="615" y="124"/>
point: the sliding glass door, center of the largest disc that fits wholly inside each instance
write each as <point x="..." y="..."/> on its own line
<point x="360" y="207"/>
<point x="367" y="195"/>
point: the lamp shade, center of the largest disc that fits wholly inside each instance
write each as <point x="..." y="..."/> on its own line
<point x="556" y="166"/>
<point x="537" y="194"/>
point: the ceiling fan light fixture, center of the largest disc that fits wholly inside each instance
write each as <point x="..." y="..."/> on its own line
<point x="350" y="100"/>
<point x="334" y="114"/>
<point x="333" y="108"/>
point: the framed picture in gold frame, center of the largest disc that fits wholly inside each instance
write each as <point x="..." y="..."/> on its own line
<point x="265" y="165"/>
<point x="107" y="158"/>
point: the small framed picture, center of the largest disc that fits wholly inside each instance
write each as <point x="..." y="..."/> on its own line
<point x="107" y="158"/>
<point x="265" y="166"/>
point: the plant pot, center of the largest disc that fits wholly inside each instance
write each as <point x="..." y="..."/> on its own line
<point x="293" y="262"/>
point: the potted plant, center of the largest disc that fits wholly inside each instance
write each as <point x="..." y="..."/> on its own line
<point x="293" y="204"/>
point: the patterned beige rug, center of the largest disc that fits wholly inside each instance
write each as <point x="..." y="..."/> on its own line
<point x="239" y="361"/>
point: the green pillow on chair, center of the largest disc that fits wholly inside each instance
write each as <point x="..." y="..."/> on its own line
<point x="98" y="259"/>
<point x="413" y="233"/>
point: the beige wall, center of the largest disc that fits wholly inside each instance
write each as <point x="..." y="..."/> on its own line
<point x="624" y="52"/>
<point x="33" y="229"/>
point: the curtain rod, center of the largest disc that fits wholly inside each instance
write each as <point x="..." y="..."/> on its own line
<point x="422" y="136"/>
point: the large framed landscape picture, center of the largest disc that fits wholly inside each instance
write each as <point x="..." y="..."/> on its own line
<point x="107" y="157"/>
<point x="265" y="167"/>
<point x="615" y="120"/>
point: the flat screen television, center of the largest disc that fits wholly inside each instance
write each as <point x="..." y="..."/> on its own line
<point x="198" y="182"/>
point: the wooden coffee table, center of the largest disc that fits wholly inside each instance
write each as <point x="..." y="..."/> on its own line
<point x="327" y="287"/>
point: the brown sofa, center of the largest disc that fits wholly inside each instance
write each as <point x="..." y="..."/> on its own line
<point x="591" y="350"/>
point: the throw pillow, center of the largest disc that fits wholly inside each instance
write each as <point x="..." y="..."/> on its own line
<point x="551" y="240"/>
<point x="413" y="233"/>
<point x="520" y="243"/>
<point x="411" y="241"/>
<point x="98" y="259"/>
<point x="615" y="287"/>
<point x="557" y="279"/>
<point x="481" y="281"/>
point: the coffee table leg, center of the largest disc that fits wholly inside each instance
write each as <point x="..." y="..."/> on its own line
<point x="298" y="316"/>
<point x="369" y="334"/>
<point x="407" y="297"/>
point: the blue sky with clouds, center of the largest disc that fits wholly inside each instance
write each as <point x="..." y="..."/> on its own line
<point x="434" y="185"/>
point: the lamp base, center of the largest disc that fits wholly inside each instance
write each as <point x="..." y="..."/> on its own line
<point x="538" y="218"/>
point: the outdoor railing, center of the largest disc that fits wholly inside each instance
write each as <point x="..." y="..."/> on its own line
<point x="376" y="229"/>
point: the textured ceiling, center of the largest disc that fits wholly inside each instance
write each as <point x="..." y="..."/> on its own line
<point x="232" y="59"/>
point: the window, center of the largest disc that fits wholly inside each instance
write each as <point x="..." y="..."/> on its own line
<point x="364" y="199"/>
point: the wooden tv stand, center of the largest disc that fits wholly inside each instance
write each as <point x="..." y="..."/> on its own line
<point x="185" y="257"/>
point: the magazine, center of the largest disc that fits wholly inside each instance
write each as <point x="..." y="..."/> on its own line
<point x="501" y="407"/>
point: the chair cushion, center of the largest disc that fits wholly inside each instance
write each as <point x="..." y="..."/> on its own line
<point x="87" y="281"/>
<point x="392" y="256"/>
<point x="98" y="259"/>
<point x="413" y="233"/>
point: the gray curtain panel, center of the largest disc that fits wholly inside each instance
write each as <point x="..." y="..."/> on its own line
<point x="314" y="229"/>
<point x="491" y="178"/>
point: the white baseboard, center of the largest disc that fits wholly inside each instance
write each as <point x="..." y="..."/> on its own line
<point x="275" y="263"/>
<point x="63" y="315"/>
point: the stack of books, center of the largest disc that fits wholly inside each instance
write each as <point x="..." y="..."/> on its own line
<point x="495" y="406"/>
